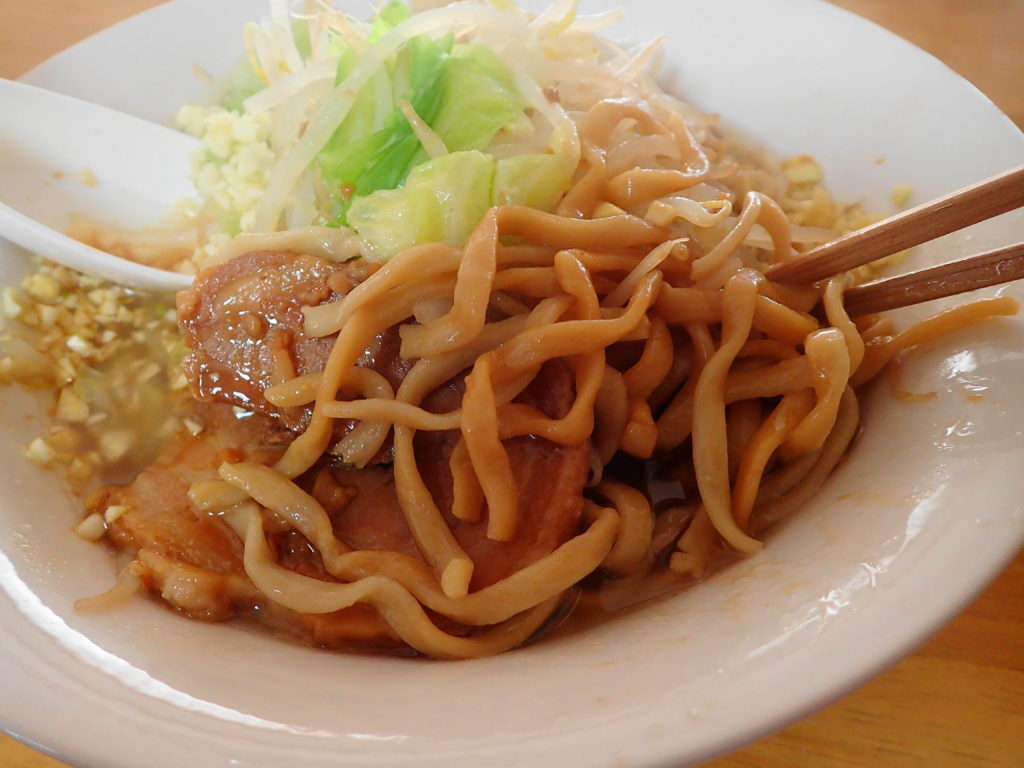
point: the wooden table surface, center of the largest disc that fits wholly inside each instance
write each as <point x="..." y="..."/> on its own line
<point x="957" y="702"/>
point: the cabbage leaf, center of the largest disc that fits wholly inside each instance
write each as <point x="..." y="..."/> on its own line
<point x="445" y="198"/>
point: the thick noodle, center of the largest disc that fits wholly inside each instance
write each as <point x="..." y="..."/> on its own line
<point x="684" y="359"/>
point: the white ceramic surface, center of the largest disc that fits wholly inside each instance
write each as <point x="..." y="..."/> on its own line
<point x="928" y="508"/>
<point x="61" y="156"/>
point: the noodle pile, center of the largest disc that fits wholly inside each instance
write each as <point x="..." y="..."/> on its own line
<point x="644" y="286"/>
<point x="647" y="282"/>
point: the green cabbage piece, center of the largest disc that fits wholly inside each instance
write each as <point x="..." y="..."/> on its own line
<point x="537" y="181"/>
<point x="390" y="16"/>
<point x="441" y="202"/>
<point x="480" y="98"/>
<point x="359" y="160"/>
<point x="444" y="199"/>
<point x="383" y="182"/>
<point x="463" y="92"/>
<point x="427" y="62"/>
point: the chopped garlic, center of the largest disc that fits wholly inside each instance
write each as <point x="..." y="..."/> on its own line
<point x="113" y="512"/>
<point x="92" y="528"/>
<point x="39" y="452"/>
<point x="48" y="315"/>
<point x="75" y="330"/>
<point x="901" y="194"/>
<point x="149" y="370"/>
<point x="87" y="177"/>
<point x="11" y="306"/>
<point x="65" y="371"/>
<point x="116" y="443"/>
<point x="802" y="170"/>
<point x="77" y="344"/>
<point x="63" y="440"/>
<point x="42" y="287"/>
<point x="232" y="165"/>
<point x="193" y="426"/>
<point x="80" y="469"/>
<point x="179" y="381"/>
<point x="70" y="407"/>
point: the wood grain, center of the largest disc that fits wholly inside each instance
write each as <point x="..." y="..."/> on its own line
<point x="961" y="276"/>
<point x="956" y="703"/>
<point x="979" y="39"/>
<point x="977" y="202"/>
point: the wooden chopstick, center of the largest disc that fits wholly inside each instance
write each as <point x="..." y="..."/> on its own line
<point x="992" y="268"/>
<point x="957" y="210"/>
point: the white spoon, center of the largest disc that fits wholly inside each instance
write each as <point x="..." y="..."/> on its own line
<point x="51" y="145"/>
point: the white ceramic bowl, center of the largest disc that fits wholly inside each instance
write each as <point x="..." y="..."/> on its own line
<point x="927" y="509"/>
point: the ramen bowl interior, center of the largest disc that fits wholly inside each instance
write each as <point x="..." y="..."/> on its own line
<point x="926" y="509"/>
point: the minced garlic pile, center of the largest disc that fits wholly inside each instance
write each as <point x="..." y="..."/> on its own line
<point x="112" y="359"/>
<point x="808" y="203"/>
<point x="230" y="167"/>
